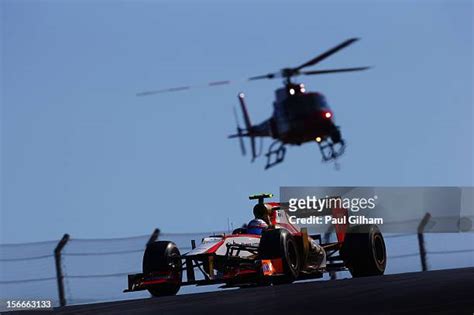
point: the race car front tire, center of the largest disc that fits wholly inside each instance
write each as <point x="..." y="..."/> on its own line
<point x="279" y="243"/>
<point x="163" y="256"/>
<point x="364" y="251"/>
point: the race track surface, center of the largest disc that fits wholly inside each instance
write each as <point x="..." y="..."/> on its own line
<point x="439" y="292"/>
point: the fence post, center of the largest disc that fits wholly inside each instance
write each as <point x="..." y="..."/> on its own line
<point x="421" y="241"/>
<point x="59" y="270"/>
<point x="154" y="236"/>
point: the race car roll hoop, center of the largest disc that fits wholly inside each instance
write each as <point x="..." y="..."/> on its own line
<point x="283" y="253"/>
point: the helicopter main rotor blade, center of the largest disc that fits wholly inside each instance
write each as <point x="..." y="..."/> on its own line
<point x="175" y="89"/>
<point x="326" y="54"/>
<point x="184" y="88"/>
<point x="265" y="76"/>
<point x="334" y="70"/>
<point x="286" y="73"/>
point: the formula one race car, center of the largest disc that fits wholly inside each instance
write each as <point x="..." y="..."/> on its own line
<point x="282" y="253"/>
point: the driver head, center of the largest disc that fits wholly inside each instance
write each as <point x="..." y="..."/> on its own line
<point x="262" y="211"/>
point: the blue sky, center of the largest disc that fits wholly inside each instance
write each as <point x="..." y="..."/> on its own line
<point x="81" y="154"/>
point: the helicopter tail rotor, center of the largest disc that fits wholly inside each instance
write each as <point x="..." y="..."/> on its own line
<point x="240" y="133"/>
<point x="248" y="131"/>
<point x="248" y="124"/>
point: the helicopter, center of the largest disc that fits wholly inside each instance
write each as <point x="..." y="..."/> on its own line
<point x="299" y="116"/>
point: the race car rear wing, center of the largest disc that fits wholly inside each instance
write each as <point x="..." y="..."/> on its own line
<point x="261" y="197"/>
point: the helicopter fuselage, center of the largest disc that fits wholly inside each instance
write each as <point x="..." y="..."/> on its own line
<point x="298" y="117"/>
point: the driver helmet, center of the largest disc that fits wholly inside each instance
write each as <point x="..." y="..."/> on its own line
<point x="256" y="226"/>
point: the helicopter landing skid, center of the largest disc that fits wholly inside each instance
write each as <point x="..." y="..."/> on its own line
<point x="276" y="154"/>
<point x="330" y="151"/>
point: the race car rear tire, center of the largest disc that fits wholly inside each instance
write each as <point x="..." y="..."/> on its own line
<point x="364" y="251"/>
<point x="163" y="256"/>
<point x="279" y="243"/>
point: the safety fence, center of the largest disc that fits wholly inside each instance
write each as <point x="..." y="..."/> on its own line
<point x="74" y="271"/>
<point x="93" y="270"/>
